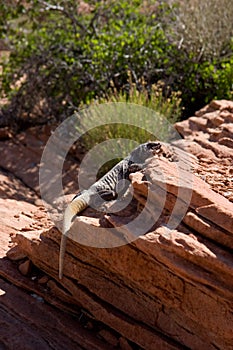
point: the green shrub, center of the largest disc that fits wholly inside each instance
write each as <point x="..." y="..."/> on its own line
<point x="141" y="116"/>
<point x="165" y="111"/>
<point x="61" y="57"/>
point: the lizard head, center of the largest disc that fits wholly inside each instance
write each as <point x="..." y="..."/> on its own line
<point x="144" y="151"/>
<point x="152" y="147"/>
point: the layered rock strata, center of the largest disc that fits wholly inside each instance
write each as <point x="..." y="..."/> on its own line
<point x="165" y="279"/>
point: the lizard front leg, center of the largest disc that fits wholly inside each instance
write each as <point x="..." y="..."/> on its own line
<point x="133" y="168"/>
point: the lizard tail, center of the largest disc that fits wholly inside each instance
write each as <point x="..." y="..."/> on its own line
<point x="74" y="208"/>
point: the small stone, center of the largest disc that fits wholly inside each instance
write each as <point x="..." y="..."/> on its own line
<point x="193" y="236"/>
<point x="15" y="254"/>
<point x="38" y="202"/>
<point x="37" y="297"/>
<point x="43" y="280"/>
<point x="25" y="267"/>
<point x="2" y="292"/>
<point x="227" y="194"/>
<point x="25" y="229"/>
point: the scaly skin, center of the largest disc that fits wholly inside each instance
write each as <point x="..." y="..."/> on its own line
<point x="106" y="188"/>
<point x="72" y="210"/>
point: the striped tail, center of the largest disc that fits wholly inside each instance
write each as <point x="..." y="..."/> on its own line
<point x="74" y="208"/>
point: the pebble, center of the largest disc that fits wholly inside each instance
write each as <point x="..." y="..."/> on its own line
<point x="25" y="267"/>
<point x="15" y="254"/>
<point x="25" y="229"/>
<point x="43" y="280"/>
<point x="37" y="297"/>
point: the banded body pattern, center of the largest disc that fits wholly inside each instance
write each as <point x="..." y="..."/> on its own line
<point x="107" y="188"/>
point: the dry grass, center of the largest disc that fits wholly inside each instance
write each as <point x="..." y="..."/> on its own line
<point x="203" y="27"/>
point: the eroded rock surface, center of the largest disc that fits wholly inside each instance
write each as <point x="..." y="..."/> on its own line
<point x="171" y="286"/>
<point x="26" y="320"/>
<point x="209" y="136"/>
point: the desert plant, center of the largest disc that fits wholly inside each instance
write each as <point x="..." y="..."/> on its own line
<point x="203" y="28"/>
<point x="149" y="108"/>
<point x="63" y="56"/>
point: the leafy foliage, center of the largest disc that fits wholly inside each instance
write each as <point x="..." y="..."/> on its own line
<point x="64" y="55"/>
<point x="142" y="116"/>
<point x="61" y="58"/>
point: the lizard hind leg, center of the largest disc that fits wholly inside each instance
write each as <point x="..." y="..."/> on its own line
<point x="108" y="195"/>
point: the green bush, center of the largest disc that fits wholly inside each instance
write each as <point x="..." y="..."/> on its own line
<point x="167" y="112"/>
<point x="61" y="57"/>
<point x="141" y="116"/>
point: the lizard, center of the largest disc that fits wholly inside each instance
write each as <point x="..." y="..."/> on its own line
<point x="105" y="189"/>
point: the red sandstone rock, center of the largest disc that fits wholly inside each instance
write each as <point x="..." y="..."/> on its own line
<point x="169" y="288"/>
<point x="213" y="145"/>
<point x="26" y="321"/>
<point x="124" y="345"/>
<point x="29" y="323"/>
<point x="109" y="337"/>
<point x="147" y="265"/>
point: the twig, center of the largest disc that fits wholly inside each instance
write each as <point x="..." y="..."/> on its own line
<point x="49" y="7"/>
